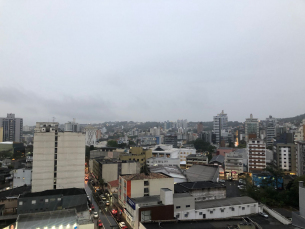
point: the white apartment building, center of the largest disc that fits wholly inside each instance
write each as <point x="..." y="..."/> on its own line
<point x="184" y="152"/>
<point x="256" y="155"/>
<point x="58" y="158"/>
<point x="234" y="164"/>
<point x="270" y="129"/>
<point x="251" y="127"/>
<point x="22" y="177"/>
<point x="300" y="133"/>
<point x="91" y="133"/>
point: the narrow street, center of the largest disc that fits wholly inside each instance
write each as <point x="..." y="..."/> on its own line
<point x="104" y="214"/>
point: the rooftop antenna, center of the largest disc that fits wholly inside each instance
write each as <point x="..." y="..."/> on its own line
<point x="53" y="119"/>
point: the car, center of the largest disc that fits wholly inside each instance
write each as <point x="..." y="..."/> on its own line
<point x="107" y="203"/>
<point x="114" y="212"/>
<point x="86" y="178"/>
<point x="92" y="207"/>
<point x="95" y="215"/>
<point x="242" y="181"/>
<point x="122" y="224"/>
<point x="263" y="214"/>
<point x="103" y="197"/>
<point x="241" y="186"/>
<point x="125" y="227"/>
<point x="222" y="181"/>
<point x="99" y="223"/>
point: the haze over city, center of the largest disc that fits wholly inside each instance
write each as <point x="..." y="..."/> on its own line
<point x="151" y="60"/>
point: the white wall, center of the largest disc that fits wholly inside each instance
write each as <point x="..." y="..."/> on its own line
<point x="22" y="177"/>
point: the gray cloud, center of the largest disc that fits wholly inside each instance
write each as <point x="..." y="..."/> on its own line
<point x="151" y="60"/>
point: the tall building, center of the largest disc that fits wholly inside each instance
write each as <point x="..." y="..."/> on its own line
<point x="199" y="127"/>
<point x="182" y="123"/>
<point x="90" y="135"/>
<point x="220" y="122"/>
<point x="257" y="155"/>
<point x="286" y="157"/>
<point x="171" y="140"/>
<point x="72" y="126"/>
<point x="58" y="158"/>
<point x="251" y="127"/>
<point x="270" y="130"/>
<point x="12" y="128"/>
<point x="301" y="158"/>
<point x="300" y="133"/>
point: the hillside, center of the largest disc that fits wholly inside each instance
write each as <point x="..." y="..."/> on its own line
<point x="295" y="120"/>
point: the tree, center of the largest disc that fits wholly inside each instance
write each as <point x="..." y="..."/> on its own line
<point x="112" y="143"/>
<point x="102" y="183"/>
<point x="131" y="143"/>
<point x="276" y="173"/>
<point x="242" y="144"/>
<point x="145" y="169"/>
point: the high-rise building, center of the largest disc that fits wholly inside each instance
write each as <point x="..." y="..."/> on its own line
<point x="72" y="126"/>
<point x="12" y="128"/>
<point x="220" y="122"/>
<point x="286" y="157"/>
<point x="251" y="127"/>
<point x="301" y="158"/>
<point x="256" y="155"/>
<point x="58" y="158"/>
<point x="270" y="130"/>
<point x="199" y="127"/>
<point x="90" y="135"/>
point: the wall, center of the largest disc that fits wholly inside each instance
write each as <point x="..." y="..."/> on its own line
<point x="209" y="194"/>
<point x="130" y="168"/>
<point x="276" y="215"/>
<point x="156" y="184"/>
<point x="302" y="199"/>
<point x="10" y="206"/>
<point x="181" y="209"/>
<point x="22" y="177"/>
<point x="110" y="172"/>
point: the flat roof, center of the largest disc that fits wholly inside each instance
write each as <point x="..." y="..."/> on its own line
<point x="146" y="199"/>
<point x="181" y="195"/>
<point x="143" y="176"/>
<point x="224" y="202"/>
<point x="188" y="186"/>
<point x="65" y="192"/>
<point x="47" y="219"/>
<point x="14" y="192"/>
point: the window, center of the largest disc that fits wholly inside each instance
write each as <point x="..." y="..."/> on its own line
<point x="203" y="216"/>
<point x="222" y="209"/>
<point x="145" y="216"/>
<point x="243" y="208"/>
<point x="20" y="203"/>
<point x="33" y="201"/>
<point x="200" y="213"/>
<point x="58" y="199"/>
<point x="233" y="209"/>
<point x="46" y="200"/>
<point x="187" y="206"/>
<point x="146" y="190"/>
<point x="177" y="216"/>
<point x="146" y="183"/>
<point x="177" y="207"/>
<point x="186" y="214"/>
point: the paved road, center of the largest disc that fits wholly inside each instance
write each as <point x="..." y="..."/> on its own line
<point x="232" y="189"/>
<point x="104" y="215"/>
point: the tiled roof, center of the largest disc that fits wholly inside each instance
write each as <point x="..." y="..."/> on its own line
<point x="114" y="183"/>
<point x="142" y="176"/>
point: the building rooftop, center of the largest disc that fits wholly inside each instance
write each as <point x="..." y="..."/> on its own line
<point x="189" y="186"/>
<point x="143" y="176"/>
<point x="47" y="219"/>
<point x="64" y="192"/>
<point x="168" y="170"/>
<point x="14" y="192"/>
<point x="196" y="156"/>
<point x="181" y="195"/>
<point x="224" y="202"/>
<point x="225" y="148"/>
<point x="114" y="183"/>
<point x="146" y="199"/>
<point x="218" y="158"/>
<point x="202" y="173"/>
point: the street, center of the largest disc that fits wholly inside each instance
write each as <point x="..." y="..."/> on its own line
<point x="104" y="215"/>
<point x="232" y="189"/>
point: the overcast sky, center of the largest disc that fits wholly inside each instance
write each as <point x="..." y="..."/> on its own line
<point x="152" y="60"/>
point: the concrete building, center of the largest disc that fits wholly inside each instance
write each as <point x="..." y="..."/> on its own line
<point x="58" y="158"/>
<point x="220" y="122"/>
<point x="170" y="139"/>
<point x="233" y="164"/>
<point x="223" y="150"/>
<point x="196" y="159"/>
<point x="137" y="154"/>
<point x="147" y="140"/>
<point x="257" y="155"/>
<point x="270" y="130"/>
<point x="298" y="218"/>
<point x="218" y="160"/>
<point x="202" y="190"/>
<point x="251" y="127"/>
<point x="12" y="149"/>
<point x="91" y="133"/>
<point x="140" y="185"/>
<point x="300" y="133"/>
<point x="22" y="177"/>
<point x="206" y="136"/>
<point x="300" y="158"/>
<point x="72" y="126"/>
<point x="185" y="152"/>
<point x="108" y="152"/>
<point x="286" y="157"/>
<point x="12" y="128"/>
<point x="151" y="208"/>
<point x="111" y="169"/>
<point x="155" y="161"/>
<point x="165" y="151"/>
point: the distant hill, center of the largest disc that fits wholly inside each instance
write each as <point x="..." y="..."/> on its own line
<point x="295" y="120"/>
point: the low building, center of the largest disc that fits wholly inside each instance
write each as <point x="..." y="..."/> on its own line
<point x="137" y="154"/>
<point x="223" y="150"/>
<point x="202" y="173"/>
<point x="22" y="177"/>
<point x="140" y="185"/>
<point x="185" y="152"/>
<point x="234" y="164"/>
<point x="9" y="199"/>
<point x="108" y="152"/>
<point x="218" y="160"/>
<point x="151" y="208"/>
<point x="196" y="159"/>
<point x="153" y="161"/>
<point x="298" y="218"/>
<point x="113" y="186"/>
<point x="172" y="171"/>
<point x="171" y="140"/>
<point x="67" y="218"/>
<point x="110" y="169"/>
<point x="202" y="190"/>
<point x="51" y="200"/>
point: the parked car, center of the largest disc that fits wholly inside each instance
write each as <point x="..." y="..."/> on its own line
<point x="222" y="181"/>
<point x="242" y="181"/>
<point x="107" y="203"/>
<point x="99" y="223"/>
<point x="95" y="215"/>
<point x="122" y="224"/>
<point x="114" y="212"/>
<point x="263" y="214"/>
<point x="103" y="197"/>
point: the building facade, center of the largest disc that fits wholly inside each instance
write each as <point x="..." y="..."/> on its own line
<point x="171" y="140"/>
<point x="58" y="158"/>
<point x="233" y="164"/>
<point x="270" y="130"/>
<point x="286" y="157"/>
<point x="251" y="127"/>
<point x="12" y="128"/>
<point x="256" y="155"/>
<point x="91" y="133"/>
<point x="300" y="158"/>
<point x="220" y="122"/>
<point x="22" y="177"/>
<point x="196" y="159"/>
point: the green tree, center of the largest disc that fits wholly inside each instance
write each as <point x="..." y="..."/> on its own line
<point x="242" y="144"/>
<point x="131" y="143"/>
<point x="145" y="169"/>
<point x="276" y="173"/>
<point x="112" y="143"/>
<point x="102" y="183"/>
